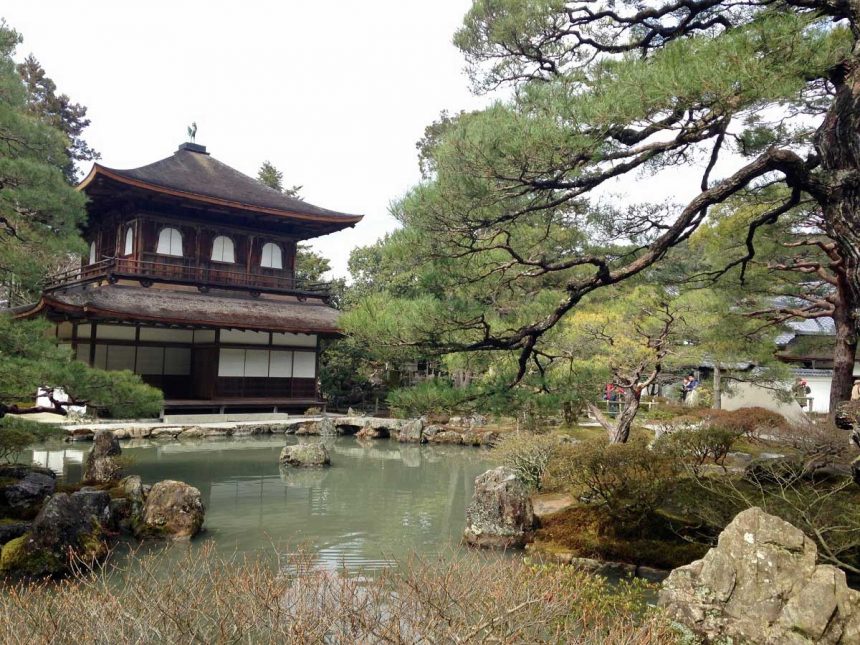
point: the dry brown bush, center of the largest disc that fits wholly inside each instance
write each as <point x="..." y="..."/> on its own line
<point x="819" y="444"/>
<point x="527" y="454"/>
<point x="207" y="599"/>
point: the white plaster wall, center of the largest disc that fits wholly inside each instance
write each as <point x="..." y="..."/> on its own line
<point x="820" y="386"/>
<point x="748" y="395"/>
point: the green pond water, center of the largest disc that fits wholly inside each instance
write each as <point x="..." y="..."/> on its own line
<point x="377" y="503"/>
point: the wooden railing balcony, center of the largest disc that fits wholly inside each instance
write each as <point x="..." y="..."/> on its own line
<point x="184" y="271"/>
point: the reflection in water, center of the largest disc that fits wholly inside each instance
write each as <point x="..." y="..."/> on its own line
<point x="377" y="501"/>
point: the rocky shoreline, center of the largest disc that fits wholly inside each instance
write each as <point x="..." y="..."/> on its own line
<point x="464" y="432"/>
<point x="46" y="530"/>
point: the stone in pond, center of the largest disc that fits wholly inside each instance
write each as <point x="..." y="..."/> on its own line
<point x="448" y="437"/>
<point x="102" y="465"/>
<point x="172" y="509"/>
<point x="500" y="514"/>
<point x="70" y="529"/>
<point x="305" y="455"/>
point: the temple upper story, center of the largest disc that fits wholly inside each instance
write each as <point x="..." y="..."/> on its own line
<point x="191" y="219"/>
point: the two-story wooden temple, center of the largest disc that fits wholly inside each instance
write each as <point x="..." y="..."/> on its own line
<point x="190" y="282"/>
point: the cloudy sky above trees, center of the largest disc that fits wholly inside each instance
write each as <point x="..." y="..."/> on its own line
<point x="335" y="94"/>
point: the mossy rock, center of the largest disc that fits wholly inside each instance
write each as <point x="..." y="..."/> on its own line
<point x="20" y="558"/>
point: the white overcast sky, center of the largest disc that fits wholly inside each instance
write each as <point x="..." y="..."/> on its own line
<point x="334" y="93"/>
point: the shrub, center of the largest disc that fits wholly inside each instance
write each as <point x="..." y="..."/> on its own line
<point x="433" y="396"/>
<point x="818" y="444"/>
<point x="207" y="599"/>
<point x="694" y="446"/>
<point x="13" y="441"/>
<point x="628" y="480"/>
<point x="528" y="455"/>
<point x="751" y="422"/>
<point x="827" y="511"/>
<point x="16" y="434"/>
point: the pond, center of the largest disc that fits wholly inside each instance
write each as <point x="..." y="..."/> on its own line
<point x="378" y="502"/>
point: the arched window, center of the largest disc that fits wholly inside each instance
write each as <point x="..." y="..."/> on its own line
<point x="169" y="242"/>
<point x="222" y="249"/>
<point x="272" y="258"/>
<point x="92" y="252"/>
<point x="128" y="247"/>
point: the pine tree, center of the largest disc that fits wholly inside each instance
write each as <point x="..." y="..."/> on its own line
<point x="39" y="211"/>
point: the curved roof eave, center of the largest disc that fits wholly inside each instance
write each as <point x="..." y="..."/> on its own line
<point x="97" y="169"/>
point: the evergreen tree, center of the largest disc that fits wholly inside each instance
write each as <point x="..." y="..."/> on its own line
<point x="509" y="229"/>
<point x="39" y="211"/>
<point x="274" y="178"/>
<point x="58" y="111"/>
<point x="271" y="176"/>
<point x="30" y="359"/>
<point x="797" y="273"/>
<point x="39" y="218"/>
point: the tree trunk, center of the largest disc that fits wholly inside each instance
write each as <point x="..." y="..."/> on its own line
<point x="838" y="148"/>
<point x="844" y="352"/>
<point x="718" y="388"/>
<point x="624" y="421"/>
<point x="619" y="431"/>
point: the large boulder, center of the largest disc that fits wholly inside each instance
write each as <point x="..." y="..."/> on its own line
<point x="480" y="438"/>
<point x="500" y="514"/>
<point x="133" y="432"/>
<point x="305" y="455"/>
<point x="10" y="529"/>
<point x="30" y="487"/>
<point x="761" y="584"/>
<point x="168" y="432"/>
<point x="412" y="432"/>
<point x="172" y="509"/>
<point x="69" y="530"/>
<point x="102" y="464"/>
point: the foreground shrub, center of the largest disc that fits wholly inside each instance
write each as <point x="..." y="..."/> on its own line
<point x="207" y="599"/>
<point x="627" y="479"/>
<point x="528" y="455"/>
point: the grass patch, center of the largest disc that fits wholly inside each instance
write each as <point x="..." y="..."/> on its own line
<point x="582" y="433"/>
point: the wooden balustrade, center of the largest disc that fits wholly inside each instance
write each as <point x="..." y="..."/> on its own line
<point x="184" y="271"/>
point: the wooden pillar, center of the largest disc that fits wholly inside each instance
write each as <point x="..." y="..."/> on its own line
<point x="92" y="344"/>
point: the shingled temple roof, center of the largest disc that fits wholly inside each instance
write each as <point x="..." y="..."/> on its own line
<point x="193" y="173"/>
<point x="121" y="302"/>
